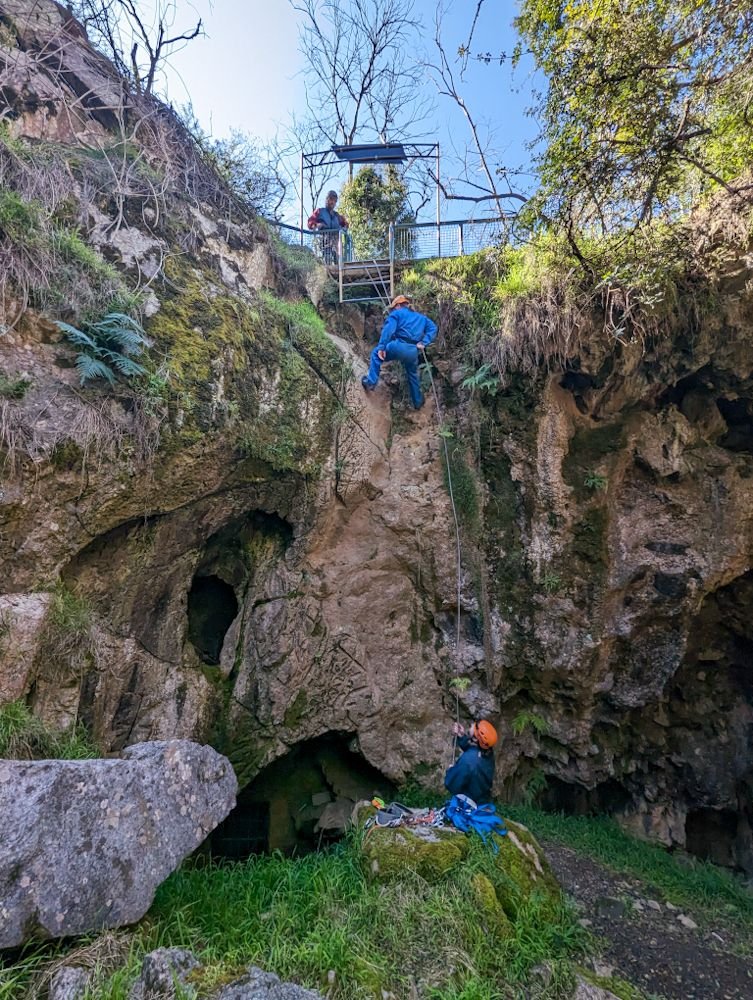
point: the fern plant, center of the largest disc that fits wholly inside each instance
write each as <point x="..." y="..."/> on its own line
<point x="107" y="347"/>
<point x="483" y="379"/>
<point x="529" y="720"/>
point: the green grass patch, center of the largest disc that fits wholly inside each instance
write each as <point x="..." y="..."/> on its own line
<point x="682" y="880"/>
<point x="25" y="737"/>
<point x="49" y="261"/>
<point x="302" y="918"/>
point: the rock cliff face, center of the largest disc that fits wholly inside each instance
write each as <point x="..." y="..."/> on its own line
<point x="267" y="557"/>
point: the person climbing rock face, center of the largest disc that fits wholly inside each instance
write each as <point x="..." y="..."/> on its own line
<point x="330" y="222"/>
<point x="404" y="334"/>
<point x="473" y="773"/>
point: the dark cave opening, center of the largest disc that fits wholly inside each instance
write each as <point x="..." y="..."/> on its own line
<point x="567" y="797"/>
<point x="738" y="415"/>
<point x="212" y="607"/>
<point x="300" y="802"/>
<point x="711" y="834"/>
<point x="710" y="708"/>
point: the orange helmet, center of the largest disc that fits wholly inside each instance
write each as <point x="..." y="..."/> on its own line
<point x="485" y="734"/>
<point x="399" y="300"/>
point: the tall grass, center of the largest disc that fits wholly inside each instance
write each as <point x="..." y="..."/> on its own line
<point x="318" y="916"/>
<point x="25" y="737"/>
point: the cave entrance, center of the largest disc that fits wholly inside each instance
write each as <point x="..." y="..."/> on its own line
<point x="609" y="797"/>
<point x="212" y="607"/>
<point x="712" y="834"/>
<point x="300" y="802"/>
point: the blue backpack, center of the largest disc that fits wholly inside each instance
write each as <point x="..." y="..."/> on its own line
<point x="463" y="813"/>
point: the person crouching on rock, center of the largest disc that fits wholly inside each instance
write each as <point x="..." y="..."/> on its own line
<point x="473" y="773"/>
<point x="404" y="334"/>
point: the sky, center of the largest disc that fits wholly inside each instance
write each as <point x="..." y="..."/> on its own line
<point x="247" y="74"/>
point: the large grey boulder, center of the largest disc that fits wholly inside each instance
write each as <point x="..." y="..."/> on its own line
<point x="85" y="844"/>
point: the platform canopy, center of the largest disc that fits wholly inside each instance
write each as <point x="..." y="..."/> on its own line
<point x="393" y="152"/>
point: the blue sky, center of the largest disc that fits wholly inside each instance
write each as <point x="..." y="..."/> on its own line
<point x="247" y="74"/>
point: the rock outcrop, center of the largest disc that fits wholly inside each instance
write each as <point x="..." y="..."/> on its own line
<point x="86" y="843"/>
<point x="268" y="557"/>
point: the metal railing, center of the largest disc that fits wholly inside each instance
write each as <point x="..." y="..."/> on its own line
<point x="400" y="244"/>
<point x="324" y="244"/>
<point x="425" y="240"/>
<point x="412" y="241"/>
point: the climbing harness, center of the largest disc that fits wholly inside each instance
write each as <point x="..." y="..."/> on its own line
<point x="457" y="539"/>
<point x="395" y="814"/>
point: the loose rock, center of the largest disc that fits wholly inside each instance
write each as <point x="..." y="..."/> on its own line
<point x="260" y="985"/>
<point x="68" y="983"/>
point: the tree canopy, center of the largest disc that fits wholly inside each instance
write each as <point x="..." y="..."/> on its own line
<point x="647" y="105"/>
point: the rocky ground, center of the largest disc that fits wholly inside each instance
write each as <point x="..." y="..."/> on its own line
<point x="651" y="943"/>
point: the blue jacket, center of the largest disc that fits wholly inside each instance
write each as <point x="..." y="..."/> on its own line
<point x="404" y="324"/>
<point x="473" y="774"/>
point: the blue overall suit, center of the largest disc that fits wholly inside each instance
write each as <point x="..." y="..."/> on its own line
<point x="473" y="774"/>
<point x="402" y="331"/>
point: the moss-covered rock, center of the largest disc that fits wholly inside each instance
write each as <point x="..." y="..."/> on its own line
<point x="491" y="915"/>
<point x="503" y="874"/>
<point x="432" y="853"/>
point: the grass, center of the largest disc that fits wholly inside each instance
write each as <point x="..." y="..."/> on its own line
<point x="302" y="918"/>
<point x="305" y="918"/>
<point x="25" y="737"/>
<point x="686" y="882"/>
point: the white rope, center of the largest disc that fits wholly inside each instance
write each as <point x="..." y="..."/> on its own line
<point x="457" y="539"/>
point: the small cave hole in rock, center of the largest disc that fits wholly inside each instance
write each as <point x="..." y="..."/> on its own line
<point x="212" y="606"/>
<point x="576" y="800"/>
<point x="711" y="834"/>
<point x="300" y="802"/>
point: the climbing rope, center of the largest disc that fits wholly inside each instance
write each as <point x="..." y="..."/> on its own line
<point x="457" y="537"/>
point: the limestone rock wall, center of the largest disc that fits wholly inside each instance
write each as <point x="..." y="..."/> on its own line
<point x="262" y="555"/>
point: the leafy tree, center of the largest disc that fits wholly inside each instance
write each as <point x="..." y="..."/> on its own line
<point x="370" y="202"/>
<point x="648" y="105"/>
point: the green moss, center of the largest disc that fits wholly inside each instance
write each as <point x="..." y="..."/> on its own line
<point x="523" y="871"/>
<point x="589" y="537"/>
<point x="13" y="386"/>
<point x="66" y="455"/>
<point x="490" y="913"/>
<point x="464" y="490"/>
<point x="589" y="447"/>
<point x="389" y="853"/>
<point x="273" y="359"/>
<point x="297" y="710"/>
<point x="619" y="987"/>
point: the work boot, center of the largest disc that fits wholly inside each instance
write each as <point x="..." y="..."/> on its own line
<point x="367" y="385"/>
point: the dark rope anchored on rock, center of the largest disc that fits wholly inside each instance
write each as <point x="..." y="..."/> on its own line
<point x="457" y="534"/>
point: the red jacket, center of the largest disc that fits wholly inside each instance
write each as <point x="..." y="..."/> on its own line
<point x="330" y="220"/>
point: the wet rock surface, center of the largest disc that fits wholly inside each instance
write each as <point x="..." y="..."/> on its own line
<point x="86" y="843"/>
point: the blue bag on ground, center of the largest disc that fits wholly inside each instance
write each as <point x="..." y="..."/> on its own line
<point x="464" y="814"/>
